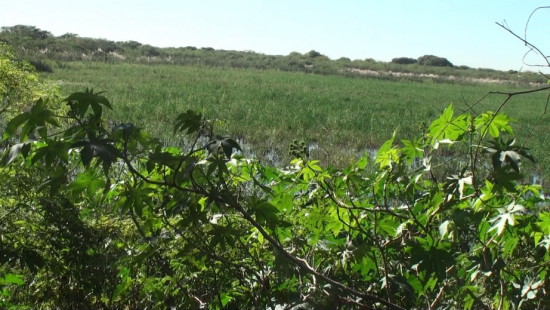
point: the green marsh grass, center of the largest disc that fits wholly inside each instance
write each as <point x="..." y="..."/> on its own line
<point x="267" y="110"/>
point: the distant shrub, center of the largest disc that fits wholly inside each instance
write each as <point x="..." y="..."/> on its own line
<point x="41" y="66"/>
<point x="463" y="67"/>
<point x="403" y="60"/>
<point x="68" y="35"/>
<point x="23" y="31"/>
<point x="344" y="59"/>
<point x="431" y="60"/>
<point x="131" y="44"/>
<point x="149" y="51"/>
<point x="313" y="54"/>
<point x="487" y="70"/>
<point x="108" y="46"/>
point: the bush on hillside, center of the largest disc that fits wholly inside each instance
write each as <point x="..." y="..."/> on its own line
<point x="41" y="66"/>
<point x="149" y="51"/>
<point x="403" y="60"/>
<point x="313" y="54"/>
<point x="431" y="60"/>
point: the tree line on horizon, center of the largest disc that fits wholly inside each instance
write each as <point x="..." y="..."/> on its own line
<point x="44" y="51"/>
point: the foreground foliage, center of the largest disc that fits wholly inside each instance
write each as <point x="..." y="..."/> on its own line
<point x="98" y="216"/>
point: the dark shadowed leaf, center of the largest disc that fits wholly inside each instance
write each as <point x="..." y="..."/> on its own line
<point x="15" y="150"/>
<point x="86" y="155"/>
<point x="188" y="122"/>
<point x="14" y="124"/>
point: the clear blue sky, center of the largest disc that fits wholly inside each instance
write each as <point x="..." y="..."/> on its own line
<point x="462" y="31"/>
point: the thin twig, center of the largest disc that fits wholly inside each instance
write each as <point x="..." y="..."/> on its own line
<point x="527" y="25"/>
<point x="509" y="96"/>
<point x="531" y="46"/>
<point x="439" y="296"/>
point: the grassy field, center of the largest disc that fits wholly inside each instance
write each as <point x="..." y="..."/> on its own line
<point x="340" y="117"/>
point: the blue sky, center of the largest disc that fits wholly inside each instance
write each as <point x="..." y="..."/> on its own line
<point x="462" y="31"/>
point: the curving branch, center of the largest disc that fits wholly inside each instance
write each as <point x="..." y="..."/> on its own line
<point x="530" y="45"/>
<point x="529" y="20"/>
<point x="302" y="264"/>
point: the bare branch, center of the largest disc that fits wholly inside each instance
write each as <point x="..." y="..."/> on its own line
<point x="529" y="20"/>
<point x="531" y="46"/>
<point x="439" y="296"/>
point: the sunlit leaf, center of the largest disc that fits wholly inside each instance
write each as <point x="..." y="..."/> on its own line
<point x="11" y="278"/>
<point x="412" y="149"/>
<point x="387" y="154"/>
<point x="506" y="217"/>
<point x="493" y="124"/>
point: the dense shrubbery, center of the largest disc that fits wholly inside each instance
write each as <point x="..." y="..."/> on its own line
<point x="41" y="66"/>
<point x="19" y="85"/>
<point x="404" y="61"/>
<point x="98" y="216"/>
<point x="430" y="60"/>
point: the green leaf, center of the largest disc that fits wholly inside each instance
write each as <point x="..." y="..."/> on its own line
<point x="470" y="297"/>
<point x="544" y="222"/>
<point x="510" y="245"/>
<point x="88" y="181"/>
<point x="306" y="173"/>
<point x="225" y="299"/>
<point x="412" y="149"/>
<point x="388" y="226"/>
<point x="507" y="217"/>
<point x="314" y="165"/>
<point x="363" y="161"/>
<point x="446" y="229"/>
<point x="265" y="212"/>
<point x="366" y="265"/>
<point x="15" y="150"/>
<point x="493" y="124"/>
<point x="14" y="124"/>
<point x="86" y="155"/>
<point x="415" y="283"/>
<point x="228" y="145"/>
<point x="188" y="122"/>
<point x="52" y="151"/>
<point x="387" y="154"/>
<point x="11" y="278"/>
<point x="438" y="126"/>
<point x="106" y="151"/>
<point x="448" y="128"/>
<point x="97" y="109"/>
<point x="101" y="149"/>
<point x="81" y="101"/>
